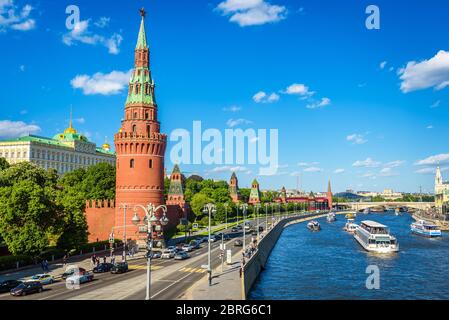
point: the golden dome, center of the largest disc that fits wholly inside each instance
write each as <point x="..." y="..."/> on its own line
<point x="106" y="146"/>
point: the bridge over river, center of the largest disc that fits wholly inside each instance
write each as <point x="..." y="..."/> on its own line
<point x="358" y="206"/>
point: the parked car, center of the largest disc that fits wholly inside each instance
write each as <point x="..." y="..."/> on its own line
<point x="27" y="287"/>
<point x="120" y="267"/>
<point x="182" y="255"/>
<point x="43" y="278"/>
<point x="238" y="243"/>
<point x="171" y="248"/>
<point x="7" y="285"/>
<point x="260" y="229"/>
<point x="103" y="267"/>
<point x="80" y="278"/>
<point x="235" y="229"/>
<point x="168" y="254"/>
<point x="204" y="239"/>
<point x="71" y="271"/>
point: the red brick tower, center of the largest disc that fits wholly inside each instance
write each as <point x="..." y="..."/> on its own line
<point x="234" y="188"/>
<point x="139" y="145"/>
<point x="329" y="195"/>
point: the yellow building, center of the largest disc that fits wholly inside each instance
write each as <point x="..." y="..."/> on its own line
<point x="64" y="152"/>
<point x="441" y="193"/>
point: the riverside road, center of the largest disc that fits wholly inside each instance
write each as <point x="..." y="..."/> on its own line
<point x="170" y="278"/>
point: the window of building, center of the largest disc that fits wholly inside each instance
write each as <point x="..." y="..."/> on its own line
<point x="131" y="163"/>
<point x="134" y="128"/>
<point x="135" y="115"/>
<point x="151" y="163"/>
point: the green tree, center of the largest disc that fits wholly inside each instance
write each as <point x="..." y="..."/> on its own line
<point x="3" y="164"/>
<point x="198" y="202"/>
<point x="29" y="216"/>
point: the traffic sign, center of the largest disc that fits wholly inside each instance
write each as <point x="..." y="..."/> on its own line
<point x="111" y="238"/>
<point x="228" y="256"/>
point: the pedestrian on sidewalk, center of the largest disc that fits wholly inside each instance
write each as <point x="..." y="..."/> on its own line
<point x="64" y="260"/>
<point x="94" y="259"/>
<point x="43" y="265"/>
<point x="241" y="271"/>
<point x="113" y="259"/>
<point x="104" y="259"/>
<point x="47" y="269"/>
<point x="98" y="261"/>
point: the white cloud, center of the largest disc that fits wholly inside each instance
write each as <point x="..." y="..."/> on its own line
<point x="233" y="109"/>
<point x="432" y="73"/>
<point x="394" y="164"/>
<point x="319" y="104"/>
<point x="237" y="122"/>
<point x="429" y="127"/>
<point x="356" y="138"/>
<point x="368" y="163"/>
<point x="299" y="89"/>
<point x="251" y="12"/>
<point x="383" y="64"/>
<point x="313" y="169"/>
<point x="22" y="68"/>
<point x="434" y="160"/>
<point x="388" y="172"/>
<point x="436" y="104"/>
<point x="81" y="33"/>
<point x="12" y="17"/>
<point x="228" y="169"/>
<point x="262" y="97"/>
<point x="426" y="171"/>
<point x="102" y="22"/>
<point x="23" y="112"/>
<point x="104" y="84"/>
<point x="307" y="164"/>
<point x="14" y="129"/>
<point x="80" y="120"/>
<point x="338" y="171"/>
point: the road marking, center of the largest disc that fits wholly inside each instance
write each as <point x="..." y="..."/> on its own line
<point x="177" y="281"/>
<point x="144" y="267"/>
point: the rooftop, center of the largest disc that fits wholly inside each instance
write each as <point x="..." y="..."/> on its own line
<point x="373" y="224"/>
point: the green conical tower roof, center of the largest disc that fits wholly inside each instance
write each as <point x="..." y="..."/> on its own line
<point x="142" y="38"/>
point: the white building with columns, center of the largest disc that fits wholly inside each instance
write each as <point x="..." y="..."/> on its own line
<point x="64" y="152"/>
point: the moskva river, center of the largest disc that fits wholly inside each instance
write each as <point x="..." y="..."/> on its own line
<point x="330" y="264"/>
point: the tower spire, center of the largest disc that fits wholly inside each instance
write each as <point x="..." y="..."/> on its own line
<point x="70" y="129"/>
<point x="142" y="38"/>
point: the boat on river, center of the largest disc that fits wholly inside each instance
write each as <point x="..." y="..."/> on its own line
<point x="314" y="226"/>
<point x="375" y="237"/>
<point x="350" y="226"/>
<point x="426" y="229"/>
<point x="331" y="217"/>
<point x="351" y="215"/>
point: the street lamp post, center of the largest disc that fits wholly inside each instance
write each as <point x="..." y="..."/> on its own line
<point x="244" y="208"/>
<point x="209" y="209"/>
<point x="266" y="216"/>
<point x="150" y="219"/>
<point x="226" y="215"/>
<point x="257" y="217"/>
<point x="124" y="207"/>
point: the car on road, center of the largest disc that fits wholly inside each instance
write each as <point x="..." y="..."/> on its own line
<point x="261" y="229"/>
<point x="235" y="229"/>
<point x="71" y="271"/>
<point x="80" y="278"/>
<point x="7" y="285"/>
<point x="238" y="243"/>
<point x="154" y="254"/>
<point x="168" y="254"/>
<point x="43" y="278"/>
<point x="120" y="267"/>
<point x="182" y="255"/>
<point x="187" y="248"/>
<point x="27" y="287"/>
<point x="103" y="267"/>
<point x="195" y="244"/>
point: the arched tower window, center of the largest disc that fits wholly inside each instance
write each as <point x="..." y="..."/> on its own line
<point x="135" y="115"/>
<point x="147" y="115"/>
<point x="131" y="163"/>
<point x="148" y="130"/>
<point x="151" y="163"/>
<point x="134" y="128"/>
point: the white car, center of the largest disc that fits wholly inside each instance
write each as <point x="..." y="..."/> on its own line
<point x="187" y="248"/>
<point x="168" y="254"/>
<point x="79" y="278"/>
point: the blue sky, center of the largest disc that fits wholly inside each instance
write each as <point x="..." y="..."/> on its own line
<point x="366" y="108"/>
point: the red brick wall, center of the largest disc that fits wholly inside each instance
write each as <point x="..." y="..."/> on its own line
<point x="100" y="216"/>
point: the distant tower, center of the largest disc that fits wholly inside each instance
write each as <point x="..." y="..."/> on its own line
<point x="176" y="191"/>
<point x="254" y="196"/>
<point x="329" y="195"/>
<point x="234" y="188"/>
<point x="139" y="145"/>
<point x="283" y="195"/>
<point x="438" y="180"/>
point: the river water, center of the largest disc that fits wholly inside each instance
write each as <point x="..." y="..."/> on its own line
<point x="330" y="264"/>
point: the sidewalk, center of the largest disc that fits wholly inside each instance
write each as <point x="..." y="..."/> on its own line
<point x="225" y="286"/>
<point x="57" y="269"/>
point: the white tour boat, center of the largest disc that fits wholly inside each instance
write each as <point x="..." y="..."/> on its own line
<point x="424" y="228"/>
<point x="314" y="226"/>
<point x="331" y="217"/>
<point x="350" y="226"/>
<point x="375" y="237"/>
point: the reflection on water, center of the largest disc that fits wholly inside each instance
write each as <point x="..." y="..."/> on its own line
<point x="330" y="264"/>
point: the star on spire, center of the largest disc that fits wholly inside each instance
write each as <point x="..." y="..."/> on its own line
<point x="143" y="13"/>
